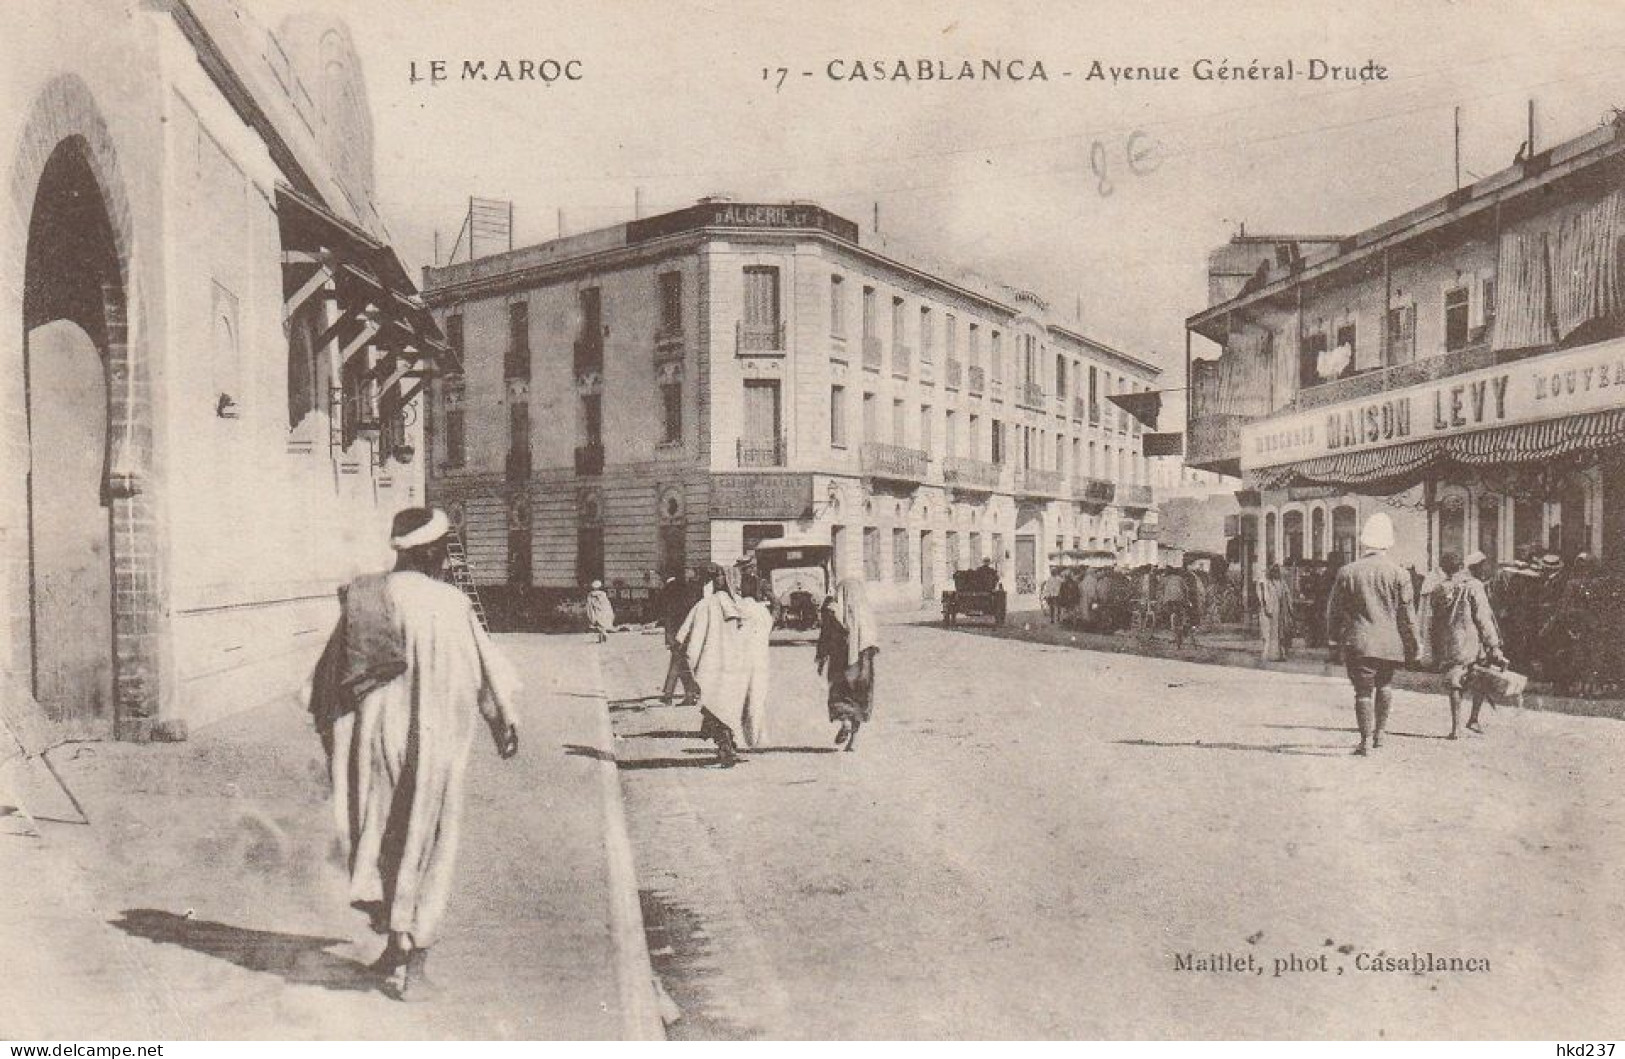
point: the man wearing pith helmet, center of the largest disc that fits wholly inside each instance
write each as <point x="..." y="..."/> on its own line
<point x="1369" y="615"/>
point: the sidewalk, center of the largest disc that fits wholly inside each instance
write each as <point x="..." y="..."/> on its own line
<point x="207" y="898"/>
<point x="1231" y="647"/>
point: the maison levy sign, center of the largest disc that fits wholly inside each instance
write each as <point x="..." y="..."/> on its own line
<point x="761" y="496"/>
<point x="1573" y="382"/>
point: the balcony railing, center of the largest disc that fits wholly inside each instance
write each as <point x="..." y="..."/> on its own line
<point x="1031" y="481"/>
<point x="1213" y="441"/>
<point x="589" y="460"/>
<point x="900" y="357"/>
<point x="895" y="462"/>
<point x="956" y="374"/>
<point x="1134" y="494"/>
<point x="966" y="474"/>
<point x="1094" y="490"/>
<point x="977" y="378"/>
<point x="1032" y="395"/>
<point x="761" y="452"/>
<point x="589" y="353"/>
<point x="872" y="354"/>
<point x="753" y="339"/>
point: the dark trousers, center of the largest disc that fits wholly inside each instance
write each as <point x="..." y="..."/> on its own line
<point x="678" y="670"/>
<point x="1373" y="695"/>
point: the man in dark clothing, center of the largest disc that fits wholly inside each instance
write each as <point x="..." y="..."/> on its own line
<point x="1464" y="633"/>
<point x="676" y="600"/>
<point x="1369" y="615"/>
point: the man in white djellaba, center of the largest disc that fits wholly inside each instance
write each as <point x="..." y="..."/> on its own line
<point x="395" y="698"/>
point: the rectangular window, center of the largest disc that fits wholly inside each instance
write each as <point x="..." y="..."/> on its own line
<point x="976" y="555"/>
<point x="950" y="341"/>
<point x="589" y="346"/>
<point x="950" y="432"/>
<point x="1309" y="350"/>
<point x="998" y="356"/>
<point x="927" y="339"/>
<point x="1402" y="334"/>
<point x="975" y="436"/>
<point x="1455" y="319"/>
<point x="517" y="363"/>
<point x="1094" y="464"/>
<point x="761" y="441"/>
<point x="975" y="342"/>
<point x="899" y="555"/>
<point x="837" y="307"/>
<point x="897" y="325"/>
<point x="1060" y="454"/>
<point x="1345" y="337"/>
<point x="1122" y="416"/>
<point x="592" y="419"/>
<point x="671" y="400"/>
<point x="1489" y="312"/>
<point x="518" y="440"/>
<point x="996" y="439"/>
<point x="1060" y="376"/>
<point x="454" y="335"/>
<point x="1077" y="457"/>
<point x="871" y="326"/>
<point x="837" y="417"/>
<point x="871" y="554"/>
<point x="925" y="428"/>
<point x="871" y="418"/>
<point x="1094" y="396"/>
<point x="671" y="303"/>
<point x="899" y="429"/>
<point x="760" y="328"/>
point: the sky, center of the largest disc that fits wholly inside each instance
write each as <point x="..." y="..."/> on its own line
<point x="1026" y="183"/>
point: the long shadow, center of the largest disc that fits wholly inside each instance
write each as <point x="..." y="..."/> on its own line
<point x="577" y="750"/>
<point x="1348" y="731"/>
<point x="300" y="959"/>
<point x="791" y="750"/>
<point x="642" y="764"/>
<point x="1296" y="749"/>
<point x="664" y="734"/>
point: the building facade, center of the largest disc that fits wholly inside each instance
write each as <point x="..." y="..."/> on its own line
<point x="672" y="391"/>
<point x="201" y="414"/>
<point x="1459" y="365"/>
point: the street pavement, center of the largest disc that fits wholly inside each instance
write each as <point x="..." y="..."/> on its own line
<point x="1030" y="840"/>
<point x="207" y="901"/>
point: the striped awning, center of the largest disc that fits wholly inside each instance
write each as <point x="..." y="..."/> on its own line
<point x="1398" y="467"/>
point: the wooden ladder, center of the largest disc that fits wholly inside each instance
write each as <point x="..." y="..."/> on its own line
<point x="462" y="576"/>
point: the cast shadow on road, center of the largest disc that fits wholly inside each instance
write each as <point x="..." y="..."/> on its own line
<point x="299" y="959"/>
<point x="577" y="750"/>
<point x="1296" y="749"/>
<point x="1347" y="731"/>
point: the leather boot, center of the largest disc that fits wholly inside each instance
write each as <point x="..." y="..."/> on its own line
<point x="1362" y="717"/>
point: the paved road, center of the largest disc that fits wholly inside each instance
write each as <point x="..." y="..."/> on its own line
<point x="1030" y="837"/>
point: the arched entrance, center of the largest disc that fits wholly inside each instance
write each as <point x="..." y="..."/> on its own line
<point x="73" y="325"/>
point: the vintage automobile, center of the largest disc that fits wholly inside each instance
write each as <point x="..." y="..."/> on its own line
<point x="797" y="575"/>
<point x="976" y="593"/>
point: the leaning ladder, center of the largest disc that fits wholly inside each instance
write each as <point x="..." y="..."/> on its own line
<point x="462" y="576"/>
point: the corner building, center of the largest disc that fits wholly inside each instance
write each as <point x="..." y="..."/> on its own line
<point x="210" y="357"/>
<point x="674" y="390"/>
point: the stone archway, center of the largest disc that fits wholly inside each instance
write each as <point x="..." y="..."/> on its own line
<point x="81" y="552"/>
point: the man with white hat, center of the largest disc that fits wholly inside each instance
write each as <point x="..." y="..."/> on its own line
<point x="1369" y="615"/>
<point x="398" y="740"/>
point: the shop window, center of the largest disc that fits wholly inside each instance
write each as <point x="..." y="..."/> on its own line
<point x="589" y="554"/>
<point x="1453" y="526"/>
<point x="1528" y="524"/>
<point x="1317" y="533"/>
<point x="1489" y="526"/>
<point x="1345" y="532"/>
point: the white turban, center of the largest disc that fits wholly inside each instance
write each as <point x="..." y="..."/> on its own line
<point x="1378" y="533"/>
<point x="437" y="526"/>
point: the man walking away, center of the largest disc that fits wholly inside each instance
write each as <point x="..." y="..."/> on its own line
<point x="1464" y="633"/>
<point x="395" y="697"/>
<point x="676" y="599"/>
<point x="1051" y="597"/>
<point x="1069" y="597"/>
<point x="1369" y="615"/>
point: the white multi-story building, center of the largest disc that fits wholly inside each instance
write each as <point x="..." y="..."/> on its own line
<point x="675" y="389"/>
